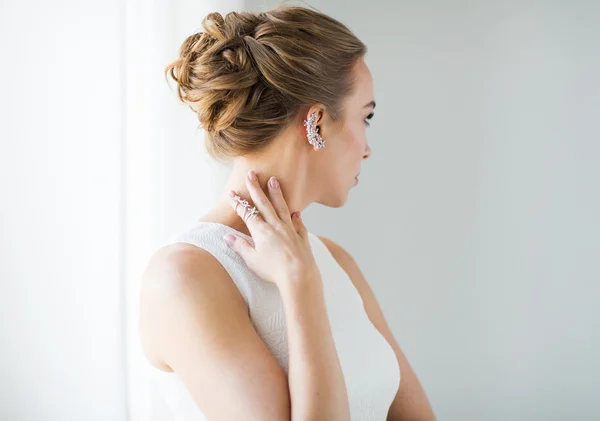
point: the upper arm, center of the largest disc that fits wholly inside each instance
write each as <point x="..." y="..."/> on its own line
<point x="195" y="321"/>
<point x="410" y="402"/>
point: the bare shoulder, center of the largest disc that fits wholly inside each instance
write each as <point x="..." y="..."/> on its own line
<point x="195" y="323"/>
<point x="178" y="279"/>
<point x="176" y="267"/>
<point x="185" y="273"/>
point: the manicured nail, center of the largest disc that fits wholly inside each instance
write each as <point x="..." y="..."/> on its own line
<point x="252" y="175"/>
<point x="232" y="193"/>
<point x="273" y="182"/>
<point x="229" y="239"/>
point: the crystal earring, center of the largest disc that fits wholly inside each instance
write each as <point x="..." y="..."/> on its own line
<point x="312" y="132"/>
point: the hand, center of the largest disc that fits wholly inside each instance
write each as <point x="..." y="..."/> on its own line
<point x="281" y="252"/>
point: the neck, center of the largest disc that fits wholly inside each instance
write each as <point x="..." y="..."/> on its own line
<point x="284" y="159"/>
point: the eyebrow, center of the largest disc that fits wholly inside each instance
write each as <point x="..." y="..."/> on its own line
<point x="370" y="104"/>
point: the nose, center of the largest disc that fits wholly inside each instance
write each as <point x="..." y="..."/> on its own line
<point x="367" y="152"/>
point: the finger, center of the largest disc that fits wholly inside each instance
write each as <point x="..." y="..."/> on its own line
<point x="245" y="211"/>
<point x="241" y="246"/>
<point x="299" y="226"/>
<point x="260" y="199"/>
<point x="278" y="201"/>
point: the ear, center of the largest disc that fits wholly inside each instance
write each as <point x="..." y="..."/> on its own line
<point x="316" y="116"/>
<point x="319" y="111"/>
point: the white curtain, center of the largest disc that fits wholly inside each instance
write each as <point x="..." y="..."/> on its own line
<point x="170" y="180"/>
<point x="61" y="339"/>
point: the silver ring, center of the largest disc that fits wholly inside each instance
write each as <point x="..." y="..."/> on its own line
<point x="253" y="212"/>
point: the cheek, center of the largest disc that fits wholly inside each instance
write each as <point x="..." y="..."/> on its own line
<point x="353" y="132"/>
<point x="357" y="138"/>
<point x="350" y="144"/>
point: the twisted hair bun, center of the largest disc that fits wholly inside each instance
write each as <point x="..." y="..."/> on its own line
<point x="247" y="75"/>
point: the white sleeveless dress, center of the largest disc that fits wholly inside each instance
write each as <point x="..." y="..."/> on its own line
<point x="370" y="368"/>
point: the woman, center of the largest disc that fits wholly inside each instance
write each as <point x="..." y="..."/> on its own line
<point x="247" y="315"/>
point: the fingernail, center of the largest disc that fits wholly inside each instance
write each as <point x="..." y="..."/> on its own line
<point x="273" y="182"/>
<point x="232" y="193"/>
<point x="229" y="239"/>
<point x="252" y="175"/>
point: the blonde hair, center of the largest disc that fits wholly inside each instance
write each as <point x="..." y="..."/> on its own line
<point x="248" y="75"/>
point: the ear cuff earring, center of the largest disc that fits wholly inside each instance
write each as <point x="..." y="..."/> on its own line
<point x="312" y="132"/>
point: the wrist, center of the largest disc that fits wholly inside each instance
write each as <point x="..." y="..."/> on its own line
<point x="301" y="284"/>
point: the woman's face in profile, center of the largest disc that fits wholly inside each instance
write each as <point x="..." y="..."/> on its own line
<point x="346" y="141"/>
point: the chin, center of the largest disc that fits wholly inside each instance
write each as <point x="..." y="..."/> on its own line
<point x="335" y="201"/>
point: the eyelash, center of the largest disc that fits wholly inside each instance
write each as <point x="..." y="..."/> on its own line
<point x="370" y="116"/>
